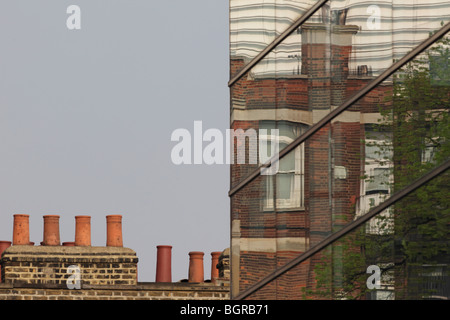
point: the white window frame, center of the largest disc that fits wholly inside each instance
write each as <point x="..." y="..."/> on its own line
<point x="296" y="199"/>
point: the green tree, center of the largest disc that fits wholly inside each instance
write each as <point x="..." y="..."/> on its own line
<point x="421" y="139"/>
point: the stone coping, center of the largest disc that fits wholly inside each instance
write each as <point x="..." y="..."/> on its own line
<point x="67" y="250"/>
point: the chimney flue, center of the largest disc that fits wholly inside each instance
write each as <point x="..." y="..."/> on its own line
<point x="82" y="230"/>
<point x="196" y="273"/>
<point x="51" y="230"/>
<point x="21" y="231"/>
<point x="164" y="264"/>
<point x="114" y="231"/>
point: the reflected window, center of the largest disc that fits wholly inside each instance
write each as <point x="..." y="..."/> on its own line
<point x="439" y="69"/>
<point x="378" y="158"/>
<point x="430" y="149"/>
<point x="286" y="188"/>
<point x="379" y="181"/>
<point x="378" y="150"/>
<point x="428" y="153"/>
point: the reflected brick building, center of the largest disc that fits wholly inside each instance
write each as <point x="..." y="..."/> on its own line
<point x="338" y="173"/>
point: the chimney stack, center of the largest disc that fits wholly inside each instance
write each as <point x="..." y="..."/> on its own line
<point x="51" y="230"/>
<point x="196" y="273"/>
<point x="164" y="264"/>
<point x="21" y="231"/>
<point x="325" y="58"/>
<point x="114" y="231"/>
<point x="82" y="230"/>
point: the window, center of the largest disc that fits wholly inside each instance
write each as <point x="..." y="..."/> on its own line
<point x="378" y="163"/>
<point x="375" y="188"/>
<point x="379" y="181"/>
<point x="289" y="180"/>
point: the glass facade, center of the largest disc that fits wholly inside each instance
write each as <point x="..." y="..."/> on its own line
<point x="333" y="173"/>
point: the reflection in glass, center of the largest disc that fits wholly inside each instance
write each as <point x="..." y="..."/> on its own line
<point x="289" y="179"/>
<point x="254" y="24"/>
<point x="408" y="259"/>
<point x="393" y="135"/>
<point x="387" y="30"/>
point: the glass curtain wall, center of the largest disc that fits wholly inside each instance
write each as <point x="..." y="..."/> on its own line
<point x="395" y="134"/>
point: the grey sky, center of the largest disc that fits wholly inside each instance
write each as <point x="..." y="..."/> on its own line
<point x="86" y="118"/>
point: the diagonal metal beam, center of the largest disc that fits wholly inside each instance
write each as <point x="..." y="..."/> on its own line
<point x="277" y="41"/>
<point x="348" y="103"/>
<point x="345" y="230"/>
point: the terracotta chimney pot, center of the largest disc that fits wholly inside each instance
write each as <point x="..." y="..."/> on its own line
<point x="196" y="273"/>
<point x="3" y="246"/>
<point x="68" y="244"/>
<point x="21" y="231"/>
<point x="114" y="231"/>
<point x="82" y="230"/>
<point x="164" y="264"/>
<point x="51" y="230"/>
<point x="214" y="261"/>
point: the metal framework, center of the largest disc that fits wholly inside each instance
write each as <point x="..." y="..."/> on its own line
<point x="316" y="127"/>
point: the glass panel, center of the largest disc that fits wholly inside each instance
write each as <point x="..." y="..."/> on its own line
<point x="335" y="53"/>
<point x="253" y="235"/>
<point x="402" y="254"/>
<point x="254" y="24"/>
<point x="395" y="134"/>
<point x="386" y="30"/>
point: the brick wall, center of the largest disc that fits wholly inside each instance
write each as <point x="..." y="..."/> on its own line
<point x="105" y="273"/>
<point x="142" y="291"/>
<point x="50" y="265"/>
